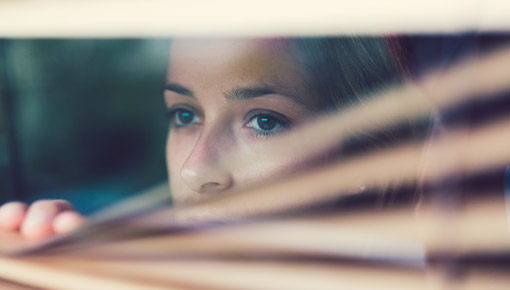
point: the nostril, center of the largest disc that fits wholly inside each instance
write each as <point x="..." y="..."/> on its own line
<point x="211" y="187"/>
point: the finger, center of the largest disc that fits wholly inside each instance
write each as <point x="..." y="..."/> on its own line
<point x="12" y="215"/>
<point x="38" y="221"/>
<point x="67" y="221"/>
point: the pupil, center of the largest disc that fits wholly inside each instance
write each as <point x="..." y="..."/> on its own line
<point x="185" y="117"/>
<point x="266" y="123"/>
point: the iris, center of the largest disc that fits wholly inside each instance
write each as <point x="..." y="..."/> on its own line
<point x="266" y="123"/>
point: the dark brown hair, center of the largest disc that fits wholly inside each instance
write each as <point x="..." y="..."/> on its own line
<point x="345" y="70"/>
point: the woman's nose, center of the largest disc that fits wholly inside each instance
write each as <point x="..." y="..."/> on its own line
<point x="204" y="171"/>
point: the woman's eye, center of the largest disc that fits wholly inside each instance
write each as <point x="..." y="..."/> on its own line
<point x="182" y="117"/>
<point x="267" y="125"/>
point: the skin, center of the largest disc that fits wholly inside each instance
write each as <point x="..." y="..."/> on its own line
<point x="42" y="219"/>
<point x="225" y="98"/>
<point x="224" y="123"/>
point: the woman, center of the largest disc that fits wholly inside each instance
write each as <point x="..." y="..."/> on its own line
<point x="231" y="97"/>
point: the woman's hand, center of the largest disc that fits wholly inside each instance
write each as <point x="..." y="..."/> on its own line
<point x="42" y="219"/>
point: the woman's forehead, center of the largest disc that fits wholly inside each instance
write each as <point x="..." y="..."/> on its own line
<point x="221" y="65"/>
<point x="228" y="51"/>
<point x="267" y="60"/>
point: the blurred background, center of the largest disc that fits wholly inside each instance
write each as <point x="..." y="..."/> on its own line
<point x="81" y="119"/>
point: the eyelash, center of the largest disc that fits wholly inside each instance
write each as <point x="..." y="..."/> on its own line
<point x="281" y="121"/>
<point x="171" y="115"/>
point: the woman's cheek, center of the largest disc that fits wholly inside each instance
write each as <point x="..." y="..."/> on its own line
<point x="261" y="166"/>
<point x="256" y="162"/>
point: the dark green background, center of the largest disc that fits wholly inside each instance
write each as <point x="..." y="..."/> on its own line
<point x="81" y="119"/>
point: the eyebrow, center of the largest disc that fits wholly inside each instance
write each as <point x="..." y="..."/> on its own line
<point x="246" y="93"/>
<point x="236" y="94"/>
<point x="181" y="90"/>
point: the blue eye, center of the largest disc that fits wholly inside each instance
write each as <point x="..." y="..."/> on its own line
<point x="266" y="124"/>
<point x="182" y="117"/>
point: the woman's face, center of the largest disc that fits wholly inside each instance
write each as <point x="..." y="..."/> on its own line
<point x="231" y="98"/>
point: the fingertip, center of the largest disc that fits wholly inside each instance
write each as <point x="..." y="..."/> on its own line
<point x="67" y="221"/>
<point x="34" y="229"/>
<point x="12" y="215"/>
<point x="38" y="220"/>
